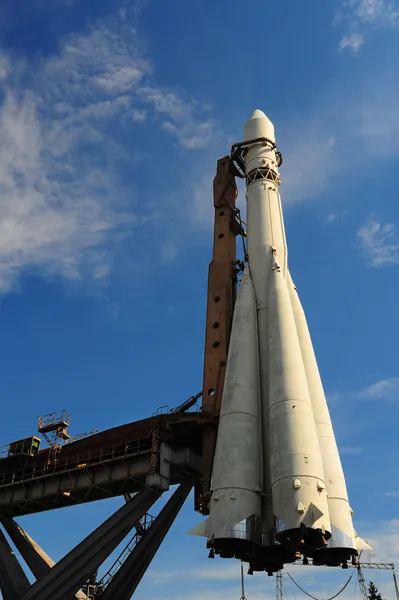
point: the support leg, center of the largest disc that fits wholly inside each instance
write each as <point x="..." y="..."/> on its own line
<point x="13" y="581"/>
<point x="71" y="572"/>
<point x="125" y="582"/>
<point x="37" y="560"/>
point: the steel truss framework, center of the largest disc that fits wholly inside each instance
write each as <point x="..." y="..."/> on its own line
<point x="139" y="460"/>
<point x="64" y="580"/>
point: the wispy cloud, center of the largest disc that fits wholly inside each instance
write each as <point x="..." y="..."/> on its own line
<point x="333" y="217"/>
<point x="378" y="242"/>
<point x="359" y="16"/>
<point x="351" y="450"/>
<point x="219" y="572"/>
<point x="63" y="206"/>
<point x="394" y="494"/>
<point x="378" y="12"/>
<point x="309" y="162"/>
<point x="383" y="536"/>
<point x="385" y="389"/>
<point x="354" y="41"/>
<point x="139" y="115"/>
<point x="53" y="216"/>
<point x="169" y="251"/>
<point x="155" y="577"/>
<point x="182" y="120"/>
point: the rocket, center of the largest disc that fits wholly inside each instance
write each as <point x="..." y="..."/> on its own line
<point x="278" y="487"/>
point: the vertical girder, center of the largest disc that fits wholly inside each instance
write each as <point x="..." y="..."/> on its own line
<point x="222" y="280"/>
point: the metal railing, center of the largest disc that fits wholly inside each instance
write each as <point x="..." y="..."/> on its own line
<point x="53" y="419"/>
<point x="141" y="527"/>
<point x="4" y="451"/>
<point x="78" y="461"/>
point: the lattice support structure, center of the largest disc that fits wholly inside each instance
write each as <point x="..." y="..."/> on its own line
<point x="362" y="583"/>
<point x="279" y="586"/>
<point x="75" y="575"/>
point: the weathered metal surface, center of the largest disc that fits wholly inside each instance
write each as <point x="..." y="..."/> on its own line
<point x="97" y="479"/>
<point x="125" y="582"/>
<point x="222" y="281"/>
<point x="159" y="451"/>
<point x="72" y="571"/>
<point x="183" y="429"/>
<point x="13" y="581"/>
<point x="37" y="560"/>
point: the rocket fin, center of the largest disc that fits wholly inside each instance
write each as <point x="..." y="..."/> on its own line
<point x="361" y="544"/>
<point x="200" y="529"/>
<point x="313" y="514"/>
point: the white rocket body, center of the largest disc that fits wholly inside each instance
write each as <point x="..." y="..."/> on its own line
<point x="236" y="477"/>
<point x="278" y="484"/>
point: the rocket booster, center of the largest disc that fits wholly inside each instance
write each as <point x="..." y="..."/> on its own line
<point x="278" y="487"/>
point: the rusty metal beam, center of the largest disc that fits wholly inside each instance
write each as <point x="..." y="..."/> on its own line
<point x="33" y="492"/>
<point x="72" y="571"/>
<point x="13" y="581"/>
<point x="126" y="580"/>
<point x="37" y="560"/>
<point x="222" y="282"/>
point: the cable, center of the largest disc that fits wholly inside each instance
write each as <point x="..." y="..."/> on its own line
<point x="314" y="597"/>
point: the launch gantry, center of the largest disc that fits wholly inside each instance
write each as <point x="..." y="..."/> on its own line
<point x="139" y="460"/>
<point x="142" y="460"/>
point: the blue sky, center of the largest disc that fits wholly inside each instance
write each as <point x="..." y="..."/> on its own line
<point x="112" y="117"/>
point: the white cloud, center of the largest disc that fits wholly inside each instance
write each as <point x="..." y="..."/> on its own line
<point x="219" y="572"/>
<point x="386" y="389"/>
<point x="350" y="450"/>
<point x="169" y="251"/>
<point x="354" y="41"/>
<point x="379" y="242"/>
<point x="48" y="219"/>
<point x="380" y="12"/>
<point x="338" y="140"/>
<point x="155" y="577"/>
<point x="139" y="115"/>
<point x="362" y="15"/>
<point x="310" y="160"/>
<point x="394" y="494"/>
<point x="333" y="217"/>
<point x="120" y="78"/>
<point x="383" y="536"/>
<point x="4" y="66"/>
<point x="106" y="64"/>
<point x="62" y="206"/>
<point x="192" y="131"/>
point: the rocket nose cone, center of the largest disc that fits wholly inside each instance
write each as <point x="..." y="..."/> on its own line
<point x="259" y="125"/>
<point x="257" y="114"/>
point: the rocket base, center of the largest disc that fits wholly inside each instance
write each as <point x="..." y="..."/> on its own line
<point x="260" y="558"/>
<point x="334" y="557"/>
<point x="303" y="539"/>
